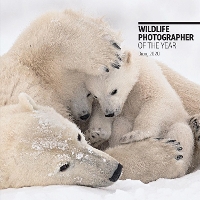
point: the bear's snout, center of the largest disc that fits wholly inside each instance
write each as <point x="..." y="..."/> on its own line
<point x="116" y="174"/>
<point x="110" y="115"/>
<point x="85" y="117"/>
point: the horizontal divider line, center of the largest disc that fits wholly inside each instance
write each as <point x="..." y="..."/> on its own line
<point x="178" y="23"/>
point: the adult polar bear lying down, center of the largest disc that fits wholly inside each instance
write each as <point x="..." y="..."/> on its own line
<point x="155" y="110"/>
<point x="39" y="147"/>
<point x="50" y="58"/>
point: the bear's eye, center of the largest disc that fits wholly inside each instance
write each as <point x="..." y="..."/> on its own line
<point x="95" y="97"/>
<point x="64" y="167"/>
<point x="79" y="137"/>
<point x="88" y="94"/>
<point x="114" y="92"/>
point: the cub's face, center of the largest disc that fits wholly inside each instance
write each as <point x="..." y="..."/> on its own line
<point x="109" y="91"/>
<point x="81" y="104"/>
<point x="46" y="149"/>
<point x="112" y="89"/>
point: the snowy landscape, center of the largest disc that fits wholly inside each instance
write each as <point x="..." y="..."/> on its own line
<point x="123" y="15"/>
<point x="183" y="188"/>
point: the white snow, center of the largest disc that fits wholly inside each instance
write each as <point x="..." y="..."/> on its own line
<point x="123" y="15"/>
<point x="49" y="119"/>
<point x="183" y="188"/>
<point x="79" y="156"/>
<point x="49" y="143"/>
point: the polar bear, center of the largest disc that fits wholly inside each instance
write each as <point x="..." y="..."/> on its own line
<point x="50" y="58"/>
<point x="188" y="91"/>
<point x="146" y="160"/>
<point x="40" y="147"/>
<point x="146" y="106"/>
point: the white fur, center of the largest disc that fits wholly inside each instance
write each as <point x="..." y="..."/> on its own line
<point x="36" y="141"/>
<point x="50" y="58"/>
<point x="81" y="103"/>
<point x="99" y="127"/>
<point x="146" y="106"/>
<point x="188" y="91"/>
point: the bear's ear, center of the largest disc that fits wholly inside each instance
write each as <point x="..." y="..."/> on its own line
<point x="27" y="102"/>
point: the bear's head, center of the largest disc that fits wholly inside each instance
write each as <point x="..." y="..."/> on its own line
<point x="39" y="147"/>
<point x="81" y="103"/>
<point x="112" y="89"/>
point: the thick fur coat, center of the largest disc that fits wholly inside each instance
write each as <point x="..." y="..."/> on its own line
<point x="50" y="58"/>
<point x="40" y="147"/>
<point x="146" y="107"/>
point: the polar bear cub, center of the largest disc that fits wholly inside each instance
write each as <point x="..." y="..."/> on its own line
<point x="39" y="147"/>
<point x="145" y="103"/>
<point x="80" y="103"/>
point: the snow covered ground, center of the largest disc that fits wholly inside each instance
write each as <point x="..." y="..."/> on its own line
<point x="183" y="188"/>
<point x="123" y="15"/>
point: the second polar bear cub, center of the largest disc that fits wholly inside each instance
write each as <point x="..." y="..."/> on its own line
<point x="141" y="97"/>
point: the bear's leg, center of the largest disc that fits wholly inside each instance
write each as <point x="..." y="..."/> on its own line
<point x="150" y="159"/>
<point x="121" y="126"/>
<point x="147" y="123"/>
<point x="182" y="133"/>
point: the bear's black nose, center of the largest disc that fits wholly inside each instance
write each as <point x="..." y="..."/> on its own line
<point x="116" y="174"/>
<point x="110" y="115"/>
<point x="84" y="117"/>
